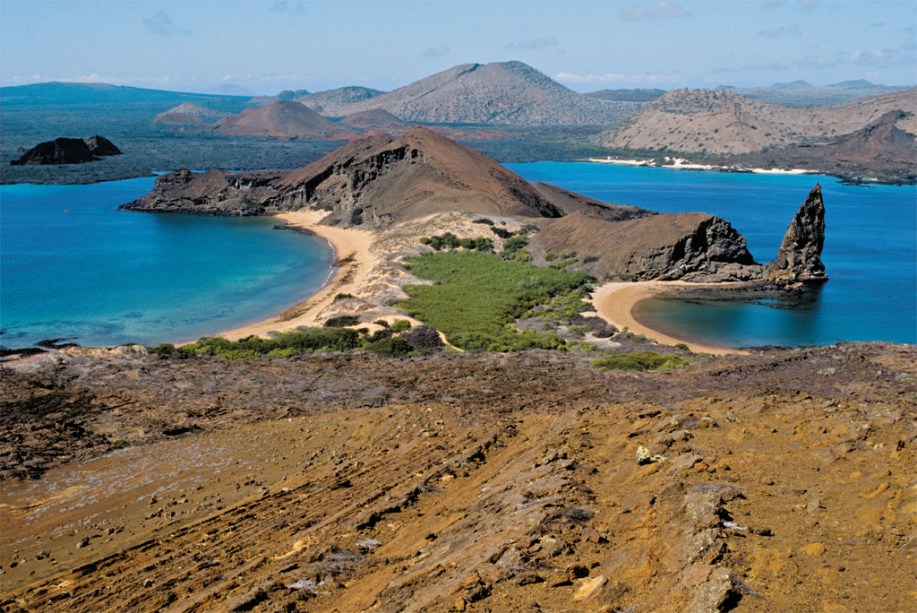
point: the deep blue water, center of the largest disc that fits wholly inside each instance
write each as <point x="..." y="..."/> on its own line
<point x="870" y="250"/>
<point x="73" y="266"/>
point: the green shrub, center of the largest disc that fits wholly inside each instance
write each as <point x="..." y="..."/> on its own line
<point x="342" y="321"/>
<point x="640" y="360"/>
<point x="400" y="325"/>
<point x="282" y="344"/>
<point x="478" y="296"/>
<point x="391" y="345"/>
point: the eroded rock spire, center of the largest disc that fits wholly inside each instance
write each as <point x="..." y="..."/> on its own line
<point x="799" y="256"/>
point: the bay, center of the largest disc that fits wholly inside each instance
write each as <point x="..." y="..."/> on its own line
<point x="72" y="266"/>
<point x="870" y="251"/>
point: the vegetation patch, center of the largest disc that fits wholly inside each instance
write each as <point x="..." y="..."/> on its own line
<point x="302" y="341"/>
<point x="477" y="297"/>
<point x="640" y="360"/>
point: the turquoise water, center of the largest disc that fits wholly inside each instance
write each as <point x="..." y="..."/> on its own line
<point x="870" y="251"/>
<point x="72" y="266"/>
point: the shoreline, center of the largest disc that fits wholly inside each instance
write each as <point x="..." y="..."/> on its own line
<point x="682" y="164"/>
<point x="615" y="303"/>
<point x="353" y="260"/>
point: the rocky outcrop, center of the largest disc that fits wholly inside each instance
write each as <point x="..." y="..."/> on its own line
<point x="215" y="192"/>
<point x="689" y="246"/>
<point x="101" y="146"/>
<point x="799" y="257"/>
<point x="68" y="151"/>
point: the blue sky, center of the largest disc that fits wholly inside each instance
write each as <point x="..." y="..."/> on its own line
<point x="266" y="46"/>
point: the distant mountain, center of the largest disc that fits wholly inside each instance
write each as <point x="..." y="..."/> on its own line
<point x="101" y="93"/>
<point x="504" y="93"/>
<point x="804" y="94"/>
<point x="628" y="95"/>
<point x="282" y="119"/>
<point x="188" y="114"/>
<point x="880" y="148"/>
<point x="723" y="122"/>
<point x="376" y="119"/>
<point x="338" y="102"/>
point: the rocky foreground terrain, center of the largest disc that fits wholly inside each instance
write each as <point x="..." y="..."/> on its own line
<point x="776" y="481"/>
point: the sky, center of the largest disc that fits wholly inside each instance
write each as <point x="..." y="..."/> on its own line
<point x="265" y="46"/>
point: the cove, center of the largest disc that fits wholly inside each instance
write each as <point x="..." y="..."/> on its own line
<point x="74" y="267"/>
<point x="870" y="251"/>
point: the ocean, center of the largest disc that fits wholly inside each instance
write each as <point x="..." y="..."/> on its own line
<point x="870" y="251"/>
<point x="74" y="267"/>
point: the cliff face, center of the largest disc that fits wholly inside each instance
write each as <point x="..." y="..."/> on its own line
<point x="689" y="246"/>
<point x="68" y="151"/>
<point x="799" y="256"/>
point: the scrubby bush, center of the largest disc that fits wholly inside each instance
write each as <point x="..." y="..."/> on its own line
<point x="400" y="325"/>
<point x="342" y="321"/>
<point x="640" y="360"/>
<point x="478" y="296"/>
<point x="423" y="338"/>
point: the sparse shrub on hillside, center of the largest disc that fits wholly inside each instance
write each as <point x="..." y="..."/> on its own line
<point x="400" y="325"/>
<point x="640" y="360"/>
<point x="342" y="321"/>
<point x="423" y="338"/>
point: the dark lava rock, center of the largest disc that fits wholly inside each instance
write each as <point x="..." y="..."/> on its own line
<point x="67" y="151"/>
<point x="799" y="257"/>
<point x="101" y="146"/>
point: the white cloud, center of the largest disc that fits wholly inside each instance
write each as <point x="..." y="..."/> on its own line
<point x="533" y="44"/>
<point x="435" y="52"/>
<point x="161" y="24"/>
<point x="661" y="9"/>
<point x="779" y="32"/>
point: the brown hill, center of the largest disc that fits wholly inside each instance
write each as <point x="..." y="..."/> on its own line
<point x="881" y="148"/>
<point x="376" y="119"/>
<point x="188" y="114"/>
<point x="338" y="102"/>
<point x="723" y="122"/>
<point x="379" y="181"/>
<point x="283" y="119"/>
<point x="503" y="93"/>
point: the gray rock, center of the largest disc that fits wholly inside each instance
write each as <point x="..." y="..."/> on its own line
<point x="799" y="256"/>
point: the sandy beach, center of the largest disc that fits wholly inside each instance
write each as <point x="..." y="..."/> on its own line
<point x="615" y="303"/>
<point x="353" y="261"/>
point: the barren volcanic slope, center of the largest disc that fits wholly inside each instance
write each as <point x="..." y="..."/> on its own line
<point x="721" y="121"/>
<point x="504" y="93"/>
<point x="474" y="482"/>
<point x="880" y="148"/>
<point x="374" y="119"/>
<point x="338" y="102"/>
<point x="188" y="114"/>
<point x="283" y="119"/>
